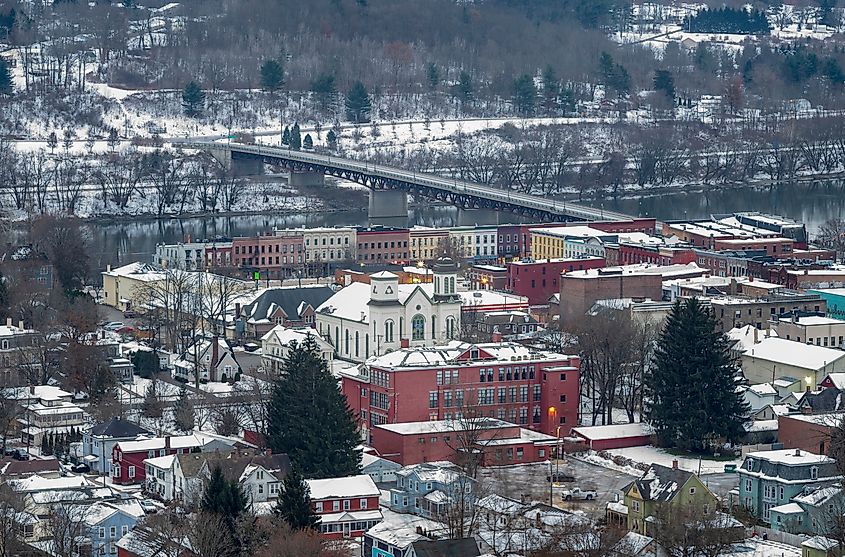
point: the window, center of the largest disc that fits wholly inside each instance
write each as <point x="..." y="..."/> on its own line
<point x="432" y="399"/>
<point x="335" y="505"/>
<point x="260" y="489"/>
<point x="814" y="473"/>
<point x="112" y="531"/>
<point x="124" y="530"/>
<point x="692" y="491"/>
<point x="319" y="506"/>
<point x="749" y="464"/>
<point x="636" y="505"/>
<point x="418" y="327"/>
<point x="362" y="503"/>
<point x="346" y="504"/>
<point x="388" y="331"/>
<point x="131" y="471"/>
<point x="102" y="532"/>
<point x="748" y="484"/>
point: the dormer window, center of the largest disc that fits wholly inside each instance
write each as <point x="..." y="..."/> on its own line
<point x="814" y="473"/>
<point x="749" y="464"/>
<point x="473" y="354"/>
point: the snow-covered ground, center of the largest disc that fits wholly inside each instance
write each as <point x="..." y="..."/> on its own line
<point x="654" y="455"/>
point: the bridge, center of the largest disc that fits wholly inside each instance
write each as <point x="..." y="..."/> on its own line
<point x="388" y="185"/>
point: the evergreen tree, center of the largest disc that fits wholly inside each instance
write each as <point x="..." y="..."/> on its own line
<point x="325" y="89"/>
<point x="432" y="72"/>
<point x="114" y="139"/>
<point x="524" y="94"/>
<point x="6" y="86"/>
<point x="295" y="137"/>
<point x="691" y="386"/>
<point x="193" y="99"/>
<point x="223" y="497"/>
<point x="52" y="141"/>
<point x="358" y="105"/>
<point x="308" y="143"/>
<point x="152" y="407"/>
<point x="465" y="87"/>
<point x="294" y="503"/>
<point x="145" y="363"/>
<point x="331" y="139"/>
<point x="272" y="75"/>
<point x="184" y="411"/>
<point x="45" y="446"/>
<point x="665" y="83"/>
<point x="551" y="89"/>
<point x="309" y="418"/>
<point x="286" y="136"/>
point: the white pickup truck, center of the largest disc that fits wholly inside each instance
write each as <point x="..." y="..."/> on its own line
<point x="578" y="494"/>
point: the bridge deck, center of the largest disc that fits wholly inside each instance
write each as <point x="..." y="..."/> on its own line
<point x="382" y="174"/>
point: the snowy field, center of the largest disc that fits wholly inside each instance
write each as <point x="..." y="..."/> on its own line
<point x="654" y="455"/>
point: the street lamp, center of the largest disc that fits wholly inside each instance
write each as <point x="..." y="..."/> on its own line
<point x="552" y="414"/>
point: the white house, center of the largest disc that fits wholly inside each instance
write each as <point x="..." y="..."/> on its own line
<point x="275" y="345"/>
<point x="215" y="358"/>
<point x="371" y="319"/>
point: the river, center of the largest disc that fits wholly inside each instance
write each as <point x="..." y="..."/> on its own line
<point x="120" y="242"/>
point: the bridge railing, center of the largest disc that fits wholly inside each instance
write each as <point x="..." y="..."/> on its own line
<point x="412" y="177"/>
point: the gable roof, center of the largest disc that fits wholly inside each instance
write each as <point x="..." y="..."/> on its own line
<point x="117" y="427"/>
<point x="463" y="547"/>
<point x="143" y="542"/>
<point x="660" y="483"/>
<point x="291" y="300"/>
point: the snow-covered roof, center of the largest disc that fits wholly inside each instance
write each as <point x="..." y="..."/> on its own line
<point x="444" y="426"/>
<point x="838" y="379"/>
<point x="791" y="457"/>
<point x="43" y="392"/>
<point x="614" y="431"/>
<point x="400" y="529"/>
<point x="818" y="496"/>
<point x="811" y="320"/>
<point x="789" y="508"/>
<point x="666" y="271"/>
<point x="175" y="442"/>
<point x="820" y="543"/>
<point x="284" y="335"/>
<point x="442" y="472"/>
<point x="758" y="547"/>
<point x="339" y="488"/>
<point x="761" y="425"/>
<point x="631" y="544"/>
<point x="491" y="298"/>
<point x="500" y="504"/>
<point x="506" y="353"/>
<point x="138" y="271"/>
<point x="39" y="483"/>
<point x="163" y="462"/>
<point x="793" y="353"/>
<point x="661" y="483"/>
<point x="763" y="389"/>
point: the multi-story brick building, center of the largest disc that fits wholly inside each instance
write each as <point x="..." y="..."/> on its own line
<point x="190" y="255"/>
<point x="347" y="507"/>
<point x="629" y="253"/>
<point x="487" y="277"/>
<point x="507" y="381"/>
<point x="273" y="256"/>
<point x="383" y="244"/>
<point x="738" y="311"/>
<point x="581" y="289"/>
<point x="426" y="244"/>
<point x="538" y="280"/>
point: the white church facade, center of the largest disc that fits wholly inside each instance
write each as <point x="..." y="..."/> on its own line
<point x="364" y="320"/>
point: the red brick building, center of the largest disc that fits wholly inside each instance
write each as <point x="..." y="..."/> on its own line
<point x="128" y="456"/>
<point x="383" y="244"/>
<point x="274" y="256"/>
<point x="500" y="442"/>
<point x="808" y="432"/>
<point x="632" y="254"/>
<point x="644" y="225"/>
<point x="580" y="290"/>
<point x="487" y="277"/>
<point x="507" y="381"/>
<point x="347" y="507"/>
<point x="538" y="280"/>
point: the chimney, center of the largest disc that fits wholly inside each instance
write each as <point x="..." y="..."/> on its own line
<point x="755" y="336"/>
<point x="167" y="442"/>
<point x="32" y="390"/>
<point x="214" y="353"/>
<point x="674" y="464"/>
<point x="108" y="268"/>
<point x="8" y="321"/>
<point x="797" y="452"/>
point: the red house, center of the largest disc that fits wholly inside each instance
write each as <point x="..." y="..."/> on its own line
<point x="538" y="280"/>
<point x="616" y="436"/>
<point x="347" y="507"/>
<point x="128" y="456"/>
<point x="500" y="442"/>
<point x="507" y="381"/>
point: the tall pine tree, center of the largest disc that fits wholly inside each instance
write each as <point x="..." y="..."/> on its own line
<point x="294" y="503"/>
<point x="358" y="104"/>
<point x="309" y="418"/>
<point x="295" y="137"/>
<point x="223" y="497"/>
<point x="524" y="94"/>
<point x="6" y="86"/>
<point x="690" y="389"/>
<point x="272" y="75"/>
<point x="193" y="99"/>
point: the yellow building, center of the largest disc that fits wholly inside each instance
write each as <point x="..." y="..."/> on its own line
<point x="425" y="242"/>
<point x="122" y="286"/>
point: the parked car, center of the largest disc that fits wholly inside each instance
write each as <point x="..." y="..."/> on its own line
<point x="113" y="325"/>
<point x="560" y="477"/>
<point x="129" y="314"/>
<point x="80" y="468"/>
<point x="127" y="330"/>
<point x="579" y="494"/>
<point x="20" y="454"/>
<point x="148" y="506"/>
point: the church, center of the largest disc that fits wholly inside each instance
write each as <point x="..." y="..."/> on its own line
<point x="364" y="320"/>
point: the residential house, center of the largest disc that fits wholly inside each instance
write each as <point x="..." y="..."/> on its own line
<point x="394" y="535"/>
<point x="19" y="347"/>
<point x="128" y="456"/>
<point x="381" y="470"/>
<point x="123" y="287"/>
<point x="820" y="546"/>
<point x="291" y="306"/>
<point x="347" y="507"/>
<point x="506" y="325"/>
<point x="772" y="478"/>
<point x="275" y="346"/>
<point x="661" y="486"/>
<point x="760" y="395"/>
<point x="46" y="410"/>
<point x="362" y="320"/>
<point x="106" y="524"/>
<point x="430" y="489"/>
<point x="813" y="511"/>
<point x="98" y="442"/>
<point x="11" y="468"/>
<point x="214" y="357"/>
<point x="143" y="541"/>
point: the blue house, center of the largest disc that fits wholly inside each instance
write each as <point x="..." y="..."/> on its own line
<point x="98" y="442"/>
<point x="106" y="524"/>
<point x="429" y="489"/>
<point x="770" y="479"/>
<point x="809" y="513"/>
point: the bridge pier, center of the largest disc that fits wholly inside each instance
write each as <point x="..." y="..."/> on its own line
<point x="298" y="179"/>
<point x="388" y="208"/>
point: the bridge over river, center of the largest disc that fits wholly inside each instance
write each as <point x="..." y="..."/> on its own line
<point x="389" y="185"/>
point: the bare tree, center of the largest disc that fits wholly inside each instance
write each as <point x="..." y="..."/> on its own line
<point x="210" y="536"/>
<point x="68" y="527"/>
<point x="831" y="235"/>
<point x="11" y="518"/>
<point x="695" y="531"/>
